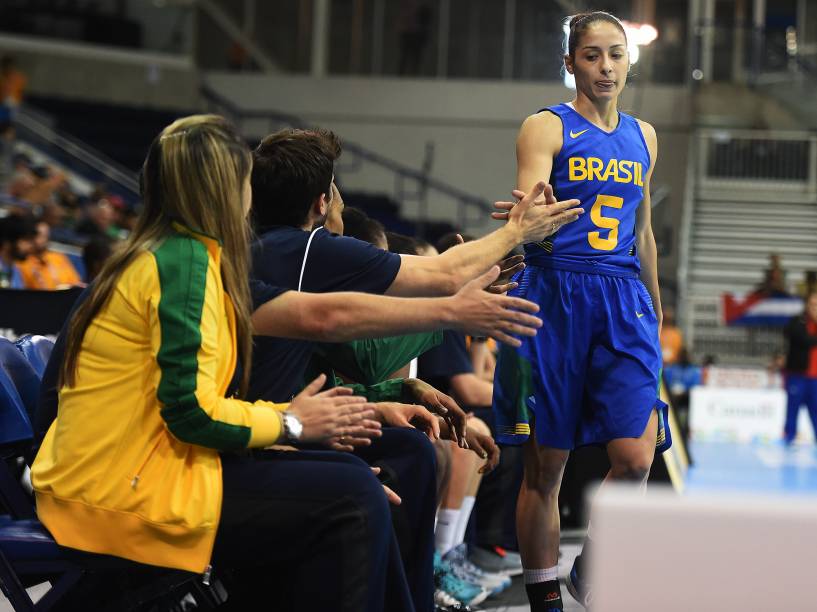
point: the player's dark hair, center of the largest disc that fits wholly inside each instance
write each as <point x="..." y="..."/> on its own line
<point x="291" y="168"/>
<point x="357" y="224"/>
<point x="402" y="244"/>
<point x="580" y="22"/>
<point x="451" y="239"/>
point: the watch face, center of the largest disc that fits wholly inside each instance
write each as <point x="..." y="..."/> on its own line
<point x="294" y="426"/>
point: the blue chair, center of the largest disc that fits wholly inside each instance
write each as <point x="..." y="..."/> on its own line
<point x="37" y="349"/>
<point x="21" y="375"/>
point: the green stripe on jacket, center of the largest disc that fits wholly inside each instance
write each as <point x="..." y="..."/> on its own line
<point x="182" y="263"/>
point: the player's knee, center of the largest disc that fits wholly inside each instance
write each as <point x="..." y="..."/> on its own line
<point x="634" y="469"/>
<point x="545" y="479"/>
<point x="479" y="426"/>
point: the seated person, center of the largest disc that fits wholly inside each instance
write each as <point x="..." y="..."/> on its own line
<point x="148" y="412"/>
<point x="46" y="269"/>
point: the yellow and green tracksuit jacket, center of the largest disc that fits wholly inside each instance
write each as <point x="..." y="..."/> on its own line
<point x="130" y="467"/>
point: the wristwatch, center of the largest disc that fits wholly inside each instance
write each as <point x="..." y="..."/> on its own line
<point x="292" y="427"/>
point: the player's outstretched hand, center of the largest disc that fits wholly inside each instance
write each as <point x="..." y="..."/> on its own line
<point x="440" y="404"/>
<point x="537" y="213"/>
<point x="509" y="266"/>
<point x="498" y="316"/>
<point x="409" y="415"/>
<point x="334" y="417"/>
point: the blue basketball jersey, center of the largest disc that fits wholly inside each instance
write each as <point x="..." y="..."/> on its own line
<point x="605" y="171"/>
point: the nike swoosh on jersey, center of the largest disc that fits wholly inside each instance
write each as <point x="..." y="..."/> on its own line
<point x="639" y="314"/>
<point x="577" y="134"/>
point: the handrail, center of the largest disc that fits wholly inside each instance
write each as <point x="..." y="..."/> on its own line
<point x="465" y="200"/>
<point x="682" y="306"/>
<point x="89" y="156"/>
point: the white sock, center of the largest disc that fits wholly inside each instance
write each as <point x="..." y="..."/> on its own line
<point x="534" y="576"/>
<point x="465" y="515"/>
<point x="447" y="520"/>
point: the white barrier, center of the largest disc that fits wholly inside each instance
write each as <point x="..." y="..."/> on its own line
<point x="712" y="553"/>
<point x="741" y="415"/>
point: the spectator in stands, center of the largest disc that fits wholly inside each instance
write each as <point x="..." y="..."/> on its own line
<point x="46" y="269"/>
<point x="94" y="255"/>
<point x="801" y="367"/>
<point x="808" y="284"/>
<point x="672" y="339"/>
<point x="17" y="233"/>
<point x="12" y="85"/>
<point x="159" y="308"/>
<point x="680" y="376"/>
<point x="7" y="137"/>
<point x="774" y="280"/>
<point x="99" y="220"/>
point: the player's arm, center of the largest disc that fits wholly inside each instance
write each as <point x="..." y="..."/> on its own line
<point x="471" y="390"/>
<point x="344" y="316"/>
<point x="540" y="138"/>
<point x="645" y="240"/>
<point x="538" y="142"/>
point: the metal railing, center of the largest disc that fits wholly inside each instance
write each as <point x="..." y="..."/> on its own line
<point x="409" y="184"/>
<point x="705" y="334"/>
<point x="745" y="160"/>
<point x="35" y="128"/>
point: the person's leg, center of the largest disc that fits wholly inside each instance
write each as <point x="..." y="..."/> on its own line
<point x="323" y="513"/>
<point x="407" y="461"/>
<point x="811" y="401"/>
<point x="631" y="458"/>
<point x="495" y="507"/>
<point x="537" y="523"/>
<point x="458" y="499"/>
<point x="795" y="387"/>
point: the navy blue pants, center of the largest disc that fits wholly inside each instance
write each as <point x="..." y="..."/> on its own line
<point x="408" y="465"/>
<point x="307" y="530"/>
<point x="493" y="521"/>
<point x="800" y="390"/>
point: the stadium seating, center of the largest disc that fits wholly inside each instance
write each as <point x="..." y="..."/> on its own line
<point x="21" y="376"/>
<point x="37" y="349"/>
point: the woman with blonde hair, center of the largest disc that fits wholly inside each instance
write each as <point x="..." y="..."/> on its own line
<point x="143" y="460"/>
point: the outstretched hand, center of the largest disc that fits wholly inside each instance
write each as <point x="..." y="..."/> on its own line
<point x="537" y="213"/>
<point x="440" y="404"/>
<point x="498" y="316"/>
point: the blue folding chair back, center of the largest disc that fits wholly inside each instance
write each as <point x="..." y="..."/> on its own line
<point x="22" y="376"/>
<point x="37" y="350"/>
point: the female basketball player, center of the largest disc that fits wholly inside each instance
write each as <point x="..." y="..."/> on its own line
<point x="591" y="374"/>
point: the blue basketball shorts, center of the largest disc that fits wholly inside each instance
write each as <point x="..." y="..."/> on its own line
<point x="591" y="374"/>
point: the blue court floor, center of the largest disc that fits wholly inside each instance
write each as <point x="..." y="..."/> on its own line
<point x="761" y="467"/>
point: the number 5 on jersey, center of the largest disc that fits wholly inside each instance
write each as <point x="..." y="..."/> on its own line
<point x="609" y="223"/>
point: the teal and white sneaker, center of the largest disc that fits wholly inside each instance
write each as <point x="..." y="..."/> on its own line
<point x="497" y="560"/>
<point x="458" y="558"/>
<point x="576" y="586"/>
<point x="447" y="580"/>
